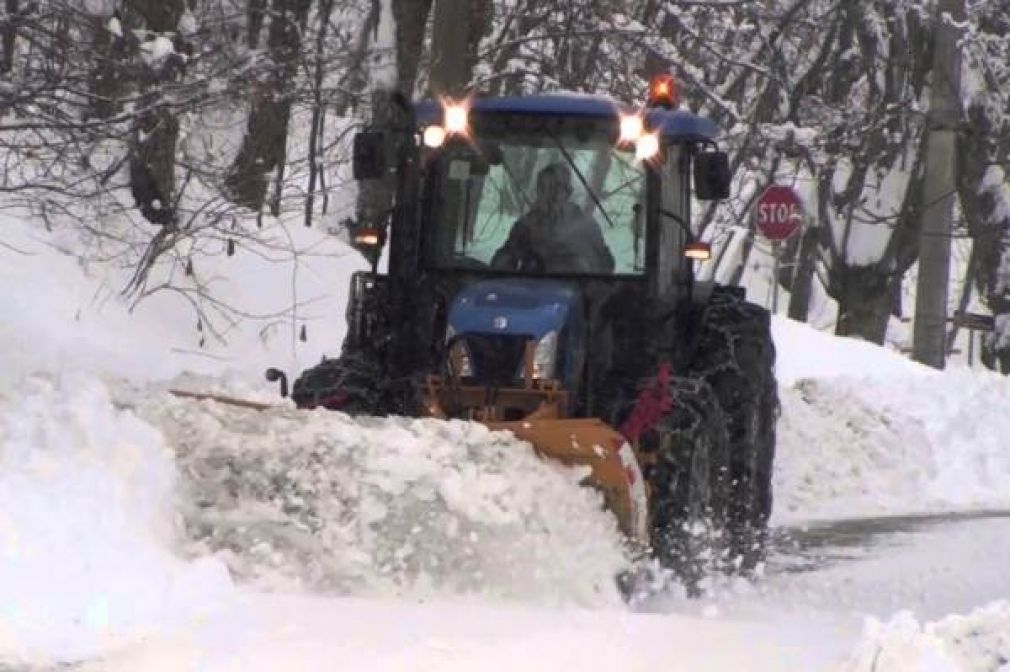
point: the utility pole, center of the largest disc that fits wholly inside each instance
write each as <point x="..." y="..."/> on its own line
<point x="929" y="335"/>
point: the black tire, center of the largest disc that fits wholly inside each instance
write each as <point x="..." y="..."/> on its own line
<point x="735" y="355"/>
<point x="352" y="383"/>
<point x="686" y="461"/>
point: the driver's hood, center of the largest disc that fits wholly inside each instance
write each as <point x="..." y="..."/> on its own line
<point x="513" y="306"/>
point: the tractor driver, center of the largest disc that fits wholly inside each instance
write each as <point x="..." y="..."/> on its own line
<point x="555" y="236"/>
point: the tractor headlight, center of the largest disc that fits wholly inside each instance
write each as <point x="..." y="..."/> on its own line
<point x="456" y="117"/>
<point x="459" y="356"/>
<point x="647" y="146"/>
<point x="545" y="356"/>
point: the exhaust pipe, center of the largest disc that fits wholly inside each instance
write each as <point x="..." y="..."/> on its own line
<point x="273" y="375"/>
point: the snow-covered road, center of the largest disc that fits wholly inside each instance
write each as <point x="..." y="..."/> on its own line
<point x="796" y="619"/>
<point x="932" y="564"/>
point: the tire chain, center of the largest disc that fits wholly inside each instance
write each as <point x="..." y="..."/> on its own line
<point x="352" y="383"/>
<point x="736" y="357"/>
<point x="687" y="534"/>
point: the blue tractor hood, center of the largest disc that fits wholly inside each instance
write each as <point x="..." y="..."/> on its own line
<point x="514" y="306"/>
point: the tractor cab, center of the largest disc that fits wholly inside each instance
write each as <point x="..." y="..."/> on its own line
<point x="539" y="234"/>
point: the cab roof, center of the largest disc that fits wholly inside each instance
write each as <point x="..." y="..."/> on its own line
<point x="674" y="125"/>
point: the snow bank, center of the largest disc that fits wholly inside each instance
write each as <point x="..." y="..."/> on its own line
<point x="839" y="456"/>
<point x="317" y="500"/>
<point x="805" y="352"/>
<point x="978" y="642"/>
<point x="86" y="521"/>
<point x="866" y="432"/>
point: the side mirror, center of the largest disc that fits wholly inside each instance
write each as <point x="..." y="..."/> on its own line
<point x="368" y="156"/>
<point x="712" y="176"/>
<point x="273" y="375"/>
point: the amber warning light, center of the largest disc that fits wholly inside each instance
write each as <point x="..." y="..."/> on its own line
<point x="698" y="251"/>
<point x="367" y="237"/>
<point x="663" y="92"/>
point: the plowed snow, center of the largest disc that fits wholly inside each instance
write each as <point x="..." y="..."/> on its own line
<point x="386" y="506"/>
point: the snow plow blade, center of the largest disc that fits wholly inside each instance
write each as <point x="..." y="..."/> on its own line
<point x="591" y="442"/>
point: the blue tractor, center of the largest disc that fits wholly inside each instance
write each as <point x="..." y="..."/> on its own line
<point x="540" y="280"/>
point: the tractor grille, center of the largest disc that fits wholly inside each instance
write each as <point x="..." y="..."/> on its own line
<point x="496" y="359"/>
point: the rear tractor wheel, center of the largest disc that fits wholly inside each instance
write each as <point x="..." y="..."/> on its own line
<point x="685" y="461"/>
<point x="735" y="356"/>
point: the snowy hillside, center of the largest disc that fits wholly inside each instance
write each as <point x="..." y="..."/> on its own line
<point x="132" y="523"/>
<point x="62" y="313"/>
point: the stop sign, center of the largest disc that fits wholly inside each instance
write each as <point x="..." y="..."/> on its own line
<point x="778" y="214"/>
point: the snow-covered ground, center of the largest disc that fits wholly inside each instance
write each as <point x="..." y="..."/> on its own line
<point x="139" y="531"/>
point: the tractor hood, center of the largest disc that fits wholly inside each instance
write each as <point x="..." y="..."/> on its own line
<point x="514" y="306"/>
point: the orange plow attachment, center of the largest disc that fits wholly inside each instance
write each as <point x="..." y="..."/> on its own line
<point x="591" y="442"/>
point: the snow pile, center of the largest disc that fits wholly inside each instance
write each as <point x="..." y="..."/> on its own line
<point x="86" y="522"/>
<point x="978" y="642"/>
<point x="964" y="415"/>
<point x="805" y="352"/>
<point x="866" y="432"/>
<point x="319" y="501"/>
<point x="839" y="456"/>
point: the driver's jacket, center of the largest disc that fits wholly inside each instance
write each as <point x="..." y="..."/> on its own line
<point x="568" y="243"/>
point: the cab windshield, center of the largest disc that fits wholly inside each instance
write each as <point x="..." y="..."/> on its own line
<point x="542" y="201"/>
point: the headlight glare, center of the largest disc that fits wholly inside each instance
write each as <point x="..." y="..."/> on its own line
<point x="545" y="356"/>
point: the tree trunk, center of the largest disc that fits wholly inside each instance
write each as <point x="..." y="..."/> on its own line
<point x="930" y="333"/>
<point x="152" y="157"/>
<point x="865" y="302"/>
<point x="106" y="78"/>
<point x="458" y="28"/>
<point x="152" y="162"/>
<point x="802" y="283"/>
<point x="254" y="16"/>
<point x="411" y="19"/>
<point x="262" y="147"/>
<point x="10" y="31"/>
<point x="448" y="58"/>
<point x="265" y="142"/>
<point x="316" y="127"/>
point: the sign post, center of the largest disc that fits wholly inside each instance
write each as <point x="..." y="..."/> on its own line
<point x="972" y="322"/>
<point x="778" y="214"/>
